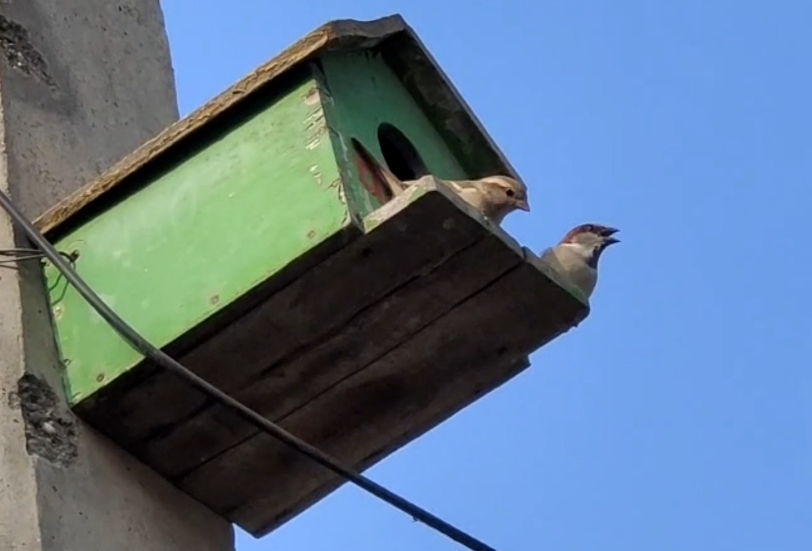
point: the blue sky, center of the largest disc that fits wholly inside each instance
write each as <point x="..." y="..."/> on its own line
<point x="679" y="415"/>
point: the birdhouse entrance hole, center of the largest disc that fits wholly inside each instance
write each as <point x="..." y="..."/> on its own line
<point x="400" y="154"/>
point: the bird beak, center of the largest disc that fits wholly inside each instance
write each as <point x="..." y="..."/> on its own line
<point x="523" y="205"/>
<point x="606" y="235"/>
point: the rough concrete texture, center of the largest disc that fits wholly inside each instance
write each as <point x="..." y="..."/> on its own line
<point x="50" y="432"/>
<point x="82" y="83"/>
<point x="88" y="80"/>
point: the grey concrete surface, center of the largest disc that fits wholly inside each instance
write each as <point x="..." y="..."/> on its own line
<point x="82" y="83"/>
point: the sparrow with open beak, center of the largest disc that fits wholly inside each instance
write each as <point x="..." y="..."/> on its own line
<point x="576" y="256"/>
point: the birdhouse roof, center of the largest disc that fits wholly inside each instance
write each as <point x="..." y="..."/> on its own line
<point x="389" y="37"/>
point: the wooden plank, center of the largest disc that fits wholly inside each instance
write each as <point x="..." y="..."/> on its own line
<point x="445" y="406"/>
<point x="364" y="339"/>
<point x="365" y="412"/>
<point x="313" y="308"/>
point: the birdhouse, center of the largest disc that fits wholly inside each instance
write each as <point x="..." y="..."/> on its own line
<point x="250" y="241"/>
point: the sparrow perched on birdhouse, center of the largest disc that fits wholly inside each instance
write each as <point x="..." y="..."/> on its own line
<point x="576" y="256"/>
<point x="494" y="196"/>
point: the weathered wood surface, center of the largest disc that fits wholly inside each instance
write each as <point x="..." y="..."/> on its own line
<point x="414" y="65"/>
<point x="442" y="366"/>
<point x="445" y="406"/>
<point x="370" y="334"/>
<point x="313" y="308"/>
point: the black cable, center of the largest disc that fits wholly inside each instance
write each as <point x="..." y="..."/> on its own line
<point x="167" y="362"/>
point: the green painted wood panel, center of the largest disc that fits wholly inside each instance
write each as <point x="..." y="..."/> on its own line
<point x="362" y="93"/>
<point x="200" y="235"/>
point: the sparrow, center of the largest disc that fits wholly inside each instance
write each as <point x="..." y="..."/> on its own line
<point x="493" y="196"/>
<point x="576" y="256"/>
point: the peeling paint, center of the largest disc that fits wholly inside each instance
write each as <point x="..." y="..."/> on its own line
<point x="317" y="175"/>
<point x="313" y="144"/>
<point x="312" y="97"/>
<point x="340" y="145"/>
<point x="340" y="190"/>
<point x="338" y="184"/>
<point x="315" y="128"/>
<point x="315" y="120"/>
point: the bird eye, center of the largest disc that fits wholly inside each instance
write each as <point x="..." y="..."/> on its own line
<point x="510" y="193"/>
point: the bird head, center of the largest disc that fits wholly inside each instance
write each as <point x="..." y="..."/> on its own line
<point x="590" y="240"/>
<point x="504" y="195"/>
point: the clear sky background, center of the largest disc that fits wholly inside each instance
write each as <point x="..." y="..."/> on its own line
<point x="679" y="415"/>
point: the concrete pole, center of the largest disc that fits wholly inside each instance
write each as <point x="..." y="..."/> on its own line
<point x="82" y="83"/>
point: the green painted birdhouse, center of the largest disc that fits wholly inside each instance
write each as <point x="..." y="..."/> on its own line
<point x="250" y="241"/>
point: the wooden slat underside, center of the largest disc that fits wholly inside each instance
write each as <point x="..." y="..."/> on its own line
<point x="366" y="416"/>
<point x="264" y="515"/>
<point x="368" y="335"/>
<point x="364" y="352"/>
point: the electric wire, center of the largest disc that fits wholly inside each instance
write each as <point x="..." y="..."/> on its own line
<point x="142" y="345"/>
<point x="12" y="256"/>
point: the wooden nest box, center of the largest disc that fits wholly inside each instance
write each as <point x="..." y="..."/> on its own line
<point x="249" y="241"/>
